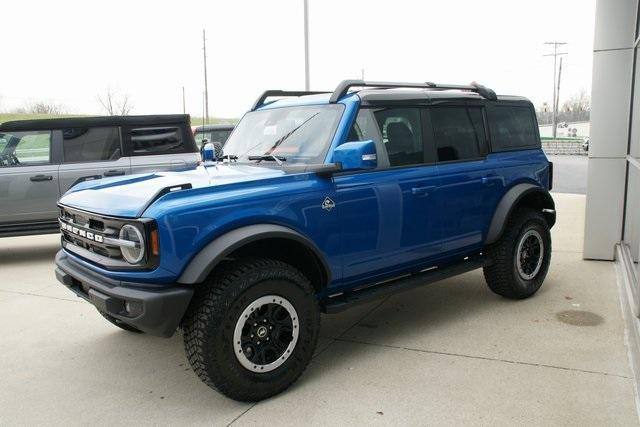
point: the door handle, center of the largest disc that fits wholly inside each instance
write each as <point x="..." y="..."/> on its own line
<point x="114" y="172"/>
<point x="423" y="191"/>
<point x="38" y="178"/>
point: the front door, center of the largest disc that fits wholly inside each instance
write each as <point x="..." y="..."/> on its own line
<point x="386" y="214"/>
<point x="28" y="177"/>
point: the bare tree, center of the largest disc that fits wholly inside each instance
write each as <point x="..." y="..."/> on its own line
<point x="577" y="103"/>
<point x="43" y="107"/>
<point x="576" y="108"/>
<point x="115" y="104"/>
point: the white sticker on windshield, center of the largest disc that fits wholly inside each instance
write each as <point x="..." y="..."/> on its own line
<point x="270" y="130"/>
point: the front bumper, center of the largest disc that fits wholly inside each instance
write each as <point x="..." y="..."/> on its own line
<point x="154" y="310"/>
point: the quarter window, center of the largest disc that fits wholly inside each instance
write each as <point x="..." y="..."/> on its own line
<point x="156" y="140"/>
<point x="401" y="131"/>
<point x="91" y="144"/>
<point x="459" y="133"/>
<point x="512" y="127"/>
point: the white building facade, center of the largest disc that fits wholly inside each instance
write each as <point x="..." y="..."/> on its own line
<point x="612" y="224"/>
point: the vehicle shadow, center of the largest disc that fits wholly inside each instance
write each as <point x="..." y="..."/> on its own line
<point x="29" y="254"/>
<point x="399" y="318"/>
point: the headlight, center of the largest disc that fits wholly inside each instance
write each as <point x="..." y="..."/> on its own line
<point x="134" y="253"/>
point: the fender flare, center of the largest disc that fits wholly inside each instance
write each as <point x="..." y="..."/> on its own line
<point x="213" y="253"/>
<point x="508" y="203"/>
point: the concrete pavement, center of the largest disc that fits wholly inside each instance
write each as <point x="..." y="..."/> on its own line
<point x="448" y="353"/>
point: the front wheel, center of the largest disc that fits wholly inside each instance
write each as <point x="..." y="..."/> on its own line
<point x="519" y="261"/>
<point x="252" y="332"/>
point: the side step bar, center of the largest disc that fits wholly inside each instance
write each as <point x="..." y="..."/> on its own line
<point x="348" y="299"/>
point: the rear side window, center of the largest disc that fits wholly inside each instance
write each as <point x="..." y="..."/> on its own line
<point x="512" y="127"/>
<point x="91" y="144"/>
<point x="459" y="133"/>
<point x="156" y="140"/>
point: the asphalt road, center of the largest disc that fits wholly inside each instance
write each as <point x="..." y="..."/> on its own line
<point x="569" y="174"/>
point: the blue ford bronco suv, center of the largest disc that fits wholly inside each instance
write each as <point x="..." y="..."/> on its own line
<point x="321" y="201"/>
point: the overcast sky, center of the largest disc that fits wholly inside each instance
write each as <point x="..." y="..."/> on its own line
<point x="68" y="52"/>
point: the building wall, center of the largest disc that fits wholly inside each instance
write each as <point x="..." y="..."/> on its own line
<point x="614" y="57"/>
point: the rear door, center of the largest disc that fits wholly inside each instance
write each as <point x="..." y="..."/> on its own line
<point x="159" y="148"/>
<point x="28" y="177"/>
<point x="91" y="153"/>
<point x="469" y="187"/>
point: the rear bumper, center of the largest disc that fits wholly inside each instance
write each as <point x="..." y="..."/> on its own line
<point x="154" y="310"/>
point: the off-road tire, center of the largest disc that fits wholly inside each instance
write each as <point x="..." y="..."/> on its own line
<point x="209" y="324"/>
<point x="119" y="323"/>
<point x="502" y="274"/>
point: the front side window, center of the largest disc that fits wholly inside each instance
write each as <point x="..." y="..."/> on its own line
<point x="512" y="127"/>
<point x="291" y="134"/>
<point x="458" y="132"/>
<point x="91" y="144"/>
<point x="156" y="140"/>
<point x="28" y="148"/>
<point x="401" y="131"/>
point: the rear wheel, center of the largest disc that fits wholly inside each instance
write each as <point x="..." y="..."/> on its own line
<point x="520" y="259"/>
<point x="251" y="333"/>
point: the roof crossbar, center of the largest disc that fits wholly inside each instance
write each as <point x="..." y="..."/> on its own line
<point x="270" y="93"/>
<point x="345" y="85"/>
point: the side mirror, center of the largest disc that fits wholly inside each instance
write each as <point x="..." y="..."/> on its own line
<point x="208" y="152"/>
<point x="356" y="155"/>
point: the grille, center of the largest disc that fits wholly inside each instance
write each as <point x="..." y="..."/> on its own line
<point x="88" y="231"/>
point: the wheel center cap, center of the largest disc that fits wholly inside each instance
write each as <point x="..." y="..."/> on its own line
<point x="261" y="332"/>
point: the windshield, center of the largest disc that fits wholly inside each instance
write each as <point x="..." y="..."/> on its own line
<point x="291" y="134"/>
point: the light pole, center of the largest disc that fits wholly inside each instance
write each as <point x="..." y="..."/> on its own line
<point x="206" y="88"/>
<point x="306" y="45"/>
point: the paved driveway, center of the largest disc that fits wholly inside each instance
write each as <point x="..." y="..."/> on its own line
<point x="449" y="353"/>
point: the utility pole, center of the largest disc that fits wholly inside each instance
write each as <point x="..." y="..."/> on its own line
<point x="361" y="73"/>
<point x="307" y="79"/>
<point x="555" y="54"/>
<point x="184" y="106"/>
<point x="206" y="89"/>
<point x="555" y="107"/>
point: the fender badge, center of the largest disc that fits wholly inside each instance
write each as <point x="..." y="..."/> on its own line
<point x="328" y="204"/>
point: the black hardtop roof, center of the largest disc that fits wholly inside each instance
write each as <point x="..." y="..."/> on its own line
<point x="96" y="121"/>
<point x="372" y="91"/>
<point x="373" y="96"/>
<point x="226" y="126"/>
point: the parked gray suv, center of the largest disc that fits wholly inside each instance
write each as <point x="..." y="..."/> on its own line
<point x="41" y="159"/>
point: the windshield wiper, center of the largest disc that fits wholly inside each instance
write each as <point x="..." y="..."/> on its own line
<point x="229" y="157"/>
<point x="277" y="159"/>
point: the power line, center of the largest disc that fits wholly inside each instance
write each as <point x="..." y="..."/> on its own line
<point x="556" y="85"/>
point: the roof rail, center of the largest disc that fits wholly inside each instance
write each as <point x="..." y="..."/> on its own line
<point x="345" y="85"/>
<point x="270" y="93"/>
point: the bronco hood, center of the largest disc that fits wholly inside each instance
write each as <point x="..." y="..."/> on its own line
<point x="129" y="196"/>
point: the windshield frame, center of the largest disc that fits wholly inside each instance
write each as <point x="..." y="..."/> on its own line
<point x="318" y="159"/>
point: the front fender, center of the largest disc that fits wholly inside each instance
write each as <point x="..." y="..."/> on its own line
<point x="205" y="261"/>
<point x="510" y="200"/>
